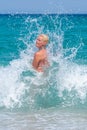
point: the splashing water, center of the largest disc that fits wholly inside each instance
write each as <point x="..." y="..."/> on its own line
<point x="64" y="83"/>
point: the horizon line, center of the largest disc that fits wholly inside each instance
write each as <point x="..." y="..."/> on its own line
<point x="43" y="13"/>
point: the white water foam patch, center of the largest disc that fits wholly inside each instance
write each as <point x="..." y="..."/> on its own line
<point x="72" y="77"/>
<point x="19" y="78"/>
<point x="11" y="85"/>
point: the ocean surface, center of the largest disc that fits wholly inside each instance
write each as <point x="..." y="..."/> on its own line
<point x="55" y="99"/>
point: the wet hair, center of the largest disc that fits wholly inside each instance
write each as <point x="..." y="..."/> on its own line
<point x="46" y="38"/>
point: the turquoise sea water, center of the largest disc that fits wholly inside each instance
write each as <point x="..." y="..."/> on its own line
<point x="55" y="99"/>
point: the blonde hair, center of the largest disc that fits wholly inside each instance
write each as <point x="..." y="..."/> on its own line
<point x="46" y="38"/>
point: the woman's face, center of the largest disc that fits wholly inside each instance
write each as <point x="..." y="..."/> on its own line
<point x="39" y="41"/>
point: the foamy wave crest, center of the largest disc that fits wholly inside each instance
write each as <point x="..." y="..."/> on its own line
<point x="11" y="86"/>
<point x="72" y="83"/>
<point x="20" y="83"/>
<point x="64" y="83"/>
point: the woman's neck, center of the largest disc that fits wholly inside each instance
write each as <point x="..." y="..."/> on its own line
<point x="41" y="48"/>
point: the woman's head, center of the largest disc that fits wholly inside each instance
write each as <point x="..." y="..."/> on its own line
<point x="45" y="37"/>
<point x="42" y="40"/>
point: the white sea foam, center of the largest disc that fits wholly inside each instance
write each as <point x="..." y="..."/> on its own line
<point x="20" y="83"/>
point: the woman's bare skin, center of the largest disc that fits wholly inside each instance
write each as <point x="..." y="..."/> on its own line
<point x="40" y="58"/>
